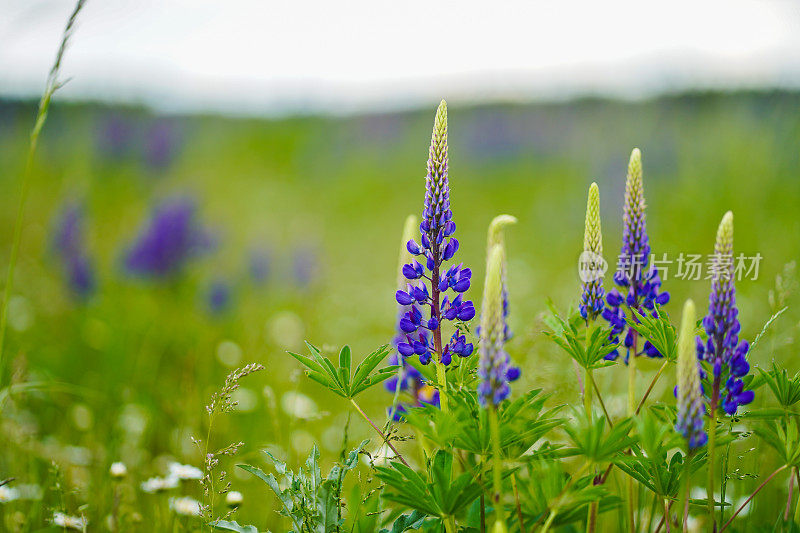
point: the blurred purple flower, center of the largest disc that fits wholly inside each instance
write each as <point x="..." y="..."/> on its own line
<point x="304" y="265"/>
<point x="171" y="238"/>
<point x="260" y="265"/>
<point x="161" y="144"/>
<point x="219" y="296"/>
<point x="115" y="137"/>
<point x="70" y="247"/>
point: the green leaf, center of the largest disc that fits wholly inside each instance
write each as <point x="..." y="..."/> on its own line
<point x="226" y="525"/>
<point x="344" y="366"/>
<point x="405" y="522"/>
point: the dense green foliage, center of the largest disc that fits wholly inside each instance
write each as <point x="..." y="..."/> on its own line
<point x="125" y="374"/>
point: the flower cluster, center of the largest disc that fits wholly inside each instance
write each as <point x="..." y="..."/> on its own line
<point x="723" y="350"/>
<point x="642" y="285"/>
<point x="172" y="237"/>
<point x="593" y="293"/>
<point x="427" y="284"/>
<point x="408" y="379"/>
<point x="70" y="246"/>
<point x="493" y="369"/>
<point x="691" y="408"/>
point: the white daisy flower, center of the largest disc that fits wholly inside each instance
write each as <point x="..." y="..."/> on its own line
<point x="8" y="494"/>
<point x="158" y="484"/>
<point x="118" y="470"/>
<point x="184" y="472"/>
<point x="234" y="498"/>
<point x="185" y="506"/>
<point x="70" y="522"/>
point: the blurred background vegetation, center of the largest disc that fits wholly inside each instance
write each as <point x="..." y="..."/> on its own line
<point x="304" y="217"/>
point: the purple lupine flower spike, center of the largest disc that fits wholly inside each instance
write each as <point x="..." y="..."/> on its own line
<point x="639" y="282"/>
<point x="408" y="379"/>
<point x="69" y="243"/>
<point x="724" y="352"/>
<point x="430" y="285"/>
<point x="171" y="238"/>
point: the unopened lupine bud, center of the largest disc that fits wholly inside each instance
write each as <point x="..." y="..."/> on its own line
<point x="691" y="408"/>
<point x="493" y="368"/>
<point x="497" y="236"/>
<point x="593" y="269"/>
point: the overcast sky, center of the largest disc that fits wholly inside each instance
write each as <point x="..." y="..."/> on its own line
<point x="273" y="57"/>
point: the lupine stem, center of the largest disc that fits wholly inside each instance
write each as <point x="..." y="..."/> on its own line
<point x="381" y="433"/>
<point x="591" y="517"/>
<point x="441" y="376"/>
<point x="712" y="438"/>
<point x="497" y="468"/>
<point x="632" y="412"/>
<point x="687" y="474"/>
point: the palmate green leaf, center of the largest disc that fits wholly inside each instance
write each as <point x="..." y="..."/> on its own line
<point x="783" y="437"/>
<point x="658" y="330"/>
<point x="785" y="389"/>
<point x="341" y="380"/>
<point x="597" y="444"/>
<point x="438" y="494"/>
<point x="587" y="346"/>
<point x="546" y="485"/>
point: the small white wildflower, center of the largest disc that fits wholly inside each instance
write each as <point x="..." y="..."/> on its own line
<point x="185" y="506"/>
<point x="184" y="472"/>
<point x="158" y="484"/>
<point x="8" y="494"/>
<point x="118" y="470"/>
<point x="298" y="405"/>
<point x="234" y="498"/>
<point x="70" y="522"/>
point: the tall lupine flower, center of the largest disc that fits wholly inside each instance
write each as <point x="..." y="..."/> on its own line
<point x="496" y="236"/>
<point x="494" y="369"/>
<point x="70" y="246"/>
<point x="408" y="379"/>
<point x="640" y="283"/>
<point x="171" y="238"/>
<point x="429" y="283"/>
<point x="691" y="408"/>
<point x="592" y="258"/>
<point x="723" y="350"/>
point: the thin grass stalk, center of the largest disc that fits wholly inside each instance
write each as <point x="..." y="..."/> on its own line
<point x="558" y="501"/>
<point x="51" y="87"/>
<point x="378" y="430"/>
<point x="753" y="495"/>
<point x="517" y="503"/>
